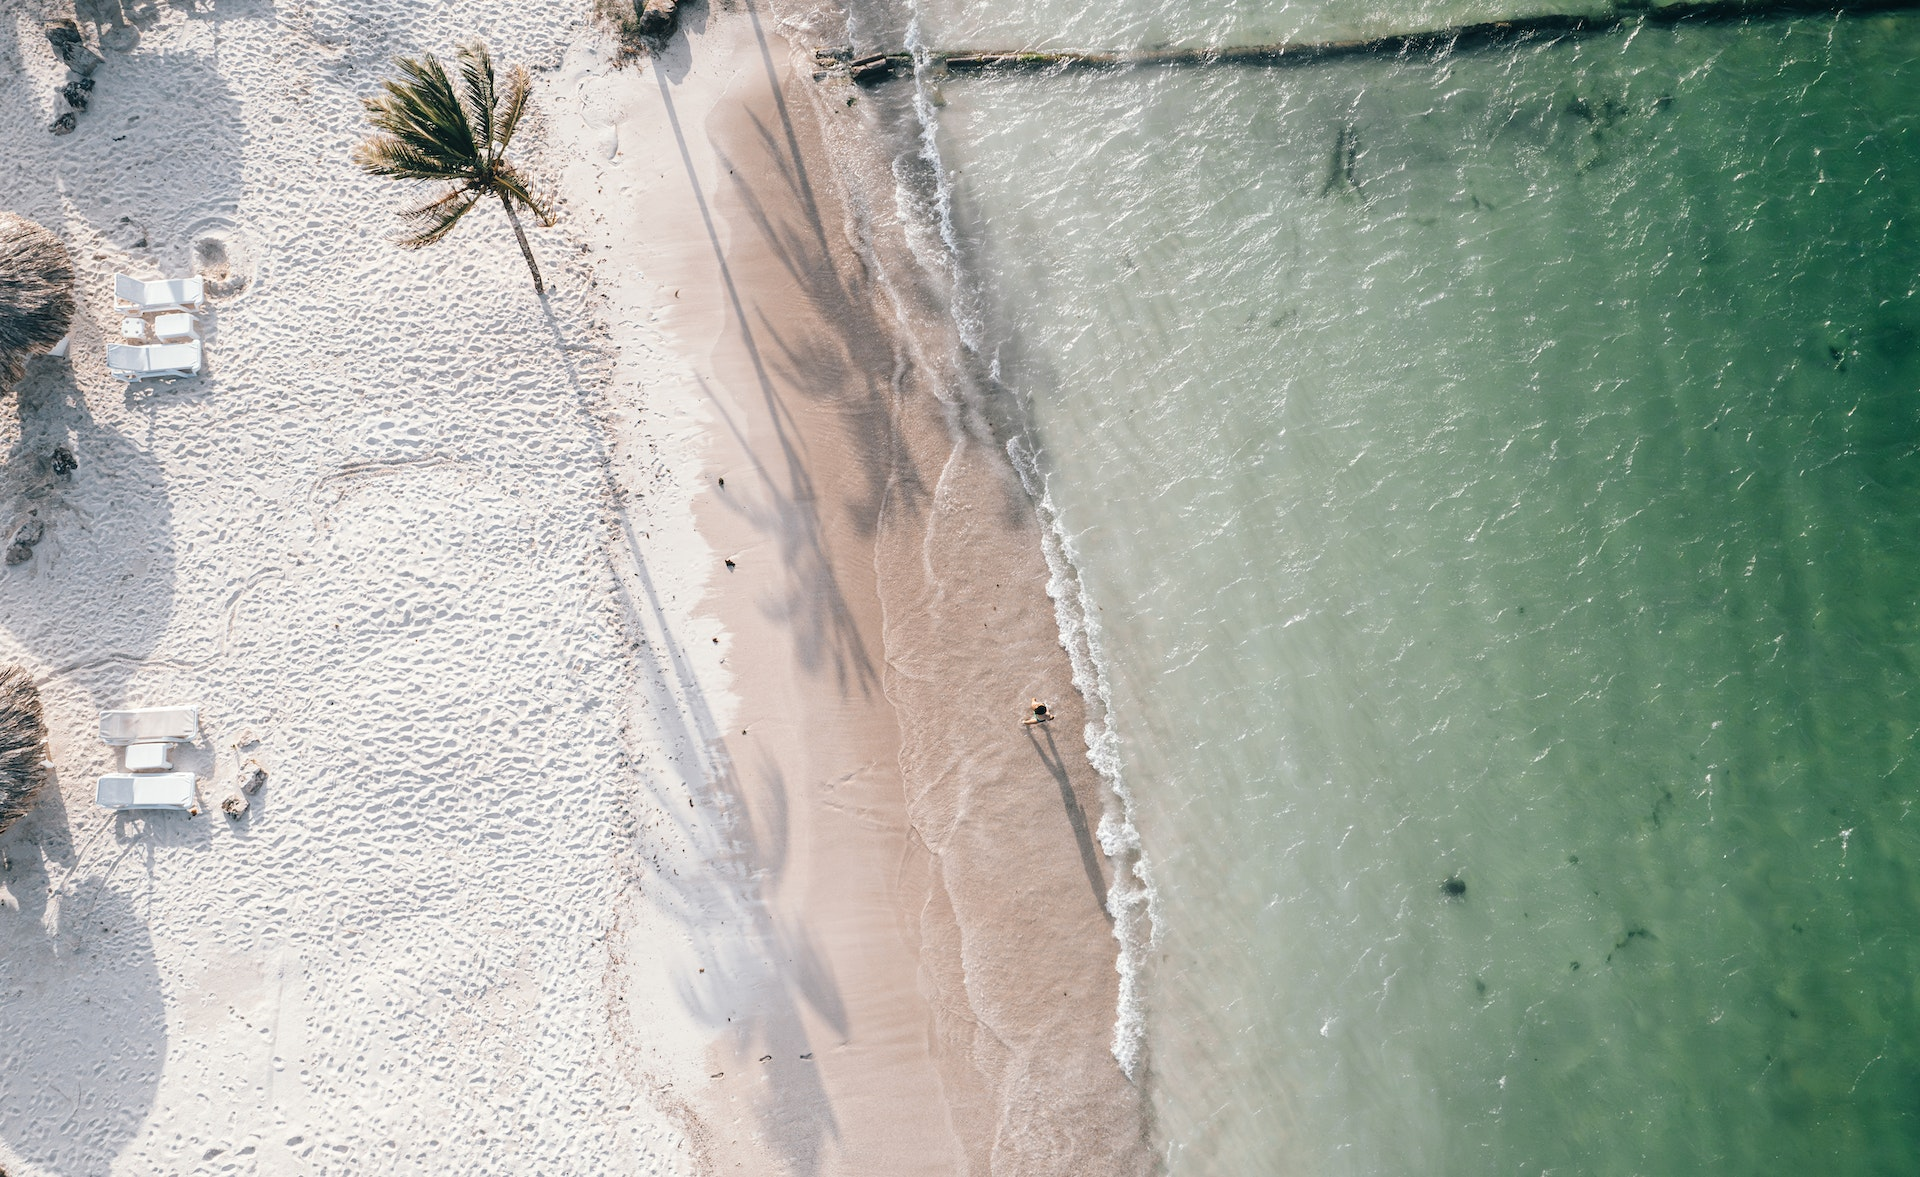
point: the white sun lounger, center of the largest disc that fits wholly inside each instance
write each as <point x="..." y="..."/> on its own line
<point x="170" y="361"/>
<point x="146" y="790"/>
<point x="149" y="725"/>
<point x="166" y="294"/>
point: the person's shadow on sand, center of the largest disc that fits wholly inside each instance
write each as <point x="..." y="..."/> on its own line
<point x="1041" y="736"/>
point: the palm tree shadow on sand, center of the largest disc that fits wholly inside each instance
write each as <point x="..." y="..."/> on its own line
<point x="80" y="1065"/>
<point x="91" y="596"/>
<point x="87" y="607"/>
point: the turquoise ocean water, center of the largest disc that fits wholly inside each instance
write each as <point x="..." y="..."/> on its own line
<point x="1499" y="469"/>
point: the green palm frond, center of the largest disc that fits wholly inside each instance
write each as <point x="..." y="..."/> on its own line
<point x="516" y="189"/>
<point x="519" y="89"/>
<point x="436" y="218"/>
<point x="384" y="155"/>
<point x="422" y="112"/>
<point x="427" y="130"/>
<point x="476" y="74"/>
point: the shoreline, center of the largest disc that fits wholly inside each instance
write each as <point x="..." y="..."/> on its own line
<point x="861" y="517"/>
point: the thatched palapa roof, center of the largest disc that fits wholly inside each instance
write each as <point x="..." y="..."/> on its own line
<point x="36" y="293"/>
<point x="23" y="744"/>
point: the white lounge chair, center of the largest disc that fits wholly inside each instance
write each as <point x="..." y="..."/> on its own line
<point x="146" y="790"/>
<point x="156" y="361"/>
<point x="145" y="725"/>
<point x="165" y="294"/>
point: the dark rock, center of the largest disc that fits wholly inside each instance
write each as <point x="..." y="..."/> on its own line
<point x="1454" y="887"/>
<point x="24" y="537"/>
<point x="62" y="462"/>
<point x="64" y="36"/>
<point x="252" y="776"/>
<point x="65" y="124"/>
<point x="877" y="68"/>
<point x="658" y="18"/>
<point x="76" y="94"/>
<point x="31" y="532"/>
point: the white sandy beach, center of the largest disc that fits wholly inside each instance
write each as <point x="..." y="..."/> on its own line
<point x="579" y="853"/>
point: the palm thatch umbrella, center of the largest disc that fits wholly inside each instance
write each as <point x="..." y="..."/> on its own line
<point x="36" y="293"/>
<point x="23" y="744"/>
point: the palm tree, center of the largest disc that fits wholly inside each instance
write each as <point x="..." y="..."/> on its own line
<point x="429" y="133"/>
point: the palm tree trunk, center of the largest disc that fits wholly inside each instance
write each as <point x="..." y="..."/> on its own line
<point x="526" y="250"/>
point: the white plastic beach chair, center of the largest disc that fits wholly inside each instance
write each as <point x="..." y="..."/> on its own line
<point x="146" y="790"/>
<point x="157" y="361"/>
<point x="147" y="725"/>
<point x="165" y="294"/>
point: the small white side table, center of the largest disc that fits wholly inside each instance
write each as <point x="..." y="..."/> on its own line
<point x="174" y="326"/>
<point x="147" y="757"/>
<point x="133" y="329"/>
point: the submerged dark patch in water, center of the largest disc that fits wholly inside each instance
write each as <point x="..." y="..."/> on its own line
<point x="1631" y="935"/>
<point x="1346" y="153"/>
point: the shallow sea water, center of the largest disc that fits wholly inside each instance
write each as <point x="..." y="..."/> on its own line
<point x="1499" y="469"/>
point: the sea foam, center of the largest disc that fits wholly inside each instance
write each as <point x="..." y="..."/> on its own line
<point x="1131" y="898"/>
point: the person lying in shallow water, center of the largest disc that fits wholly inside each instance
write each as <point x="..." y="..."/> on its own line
<point x="1040" y="714"/>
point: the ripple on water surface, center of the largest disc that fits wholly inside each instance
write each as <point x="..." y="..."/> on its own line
<point x="1497" y="473"/>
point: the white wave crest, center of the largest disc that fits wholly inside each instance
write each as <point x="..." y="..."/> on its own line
<point x="1132" y="900"/>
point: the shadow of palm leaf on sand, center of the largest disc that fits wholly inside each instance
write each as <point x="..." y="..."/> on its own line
<point x="80" y="1066"/>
